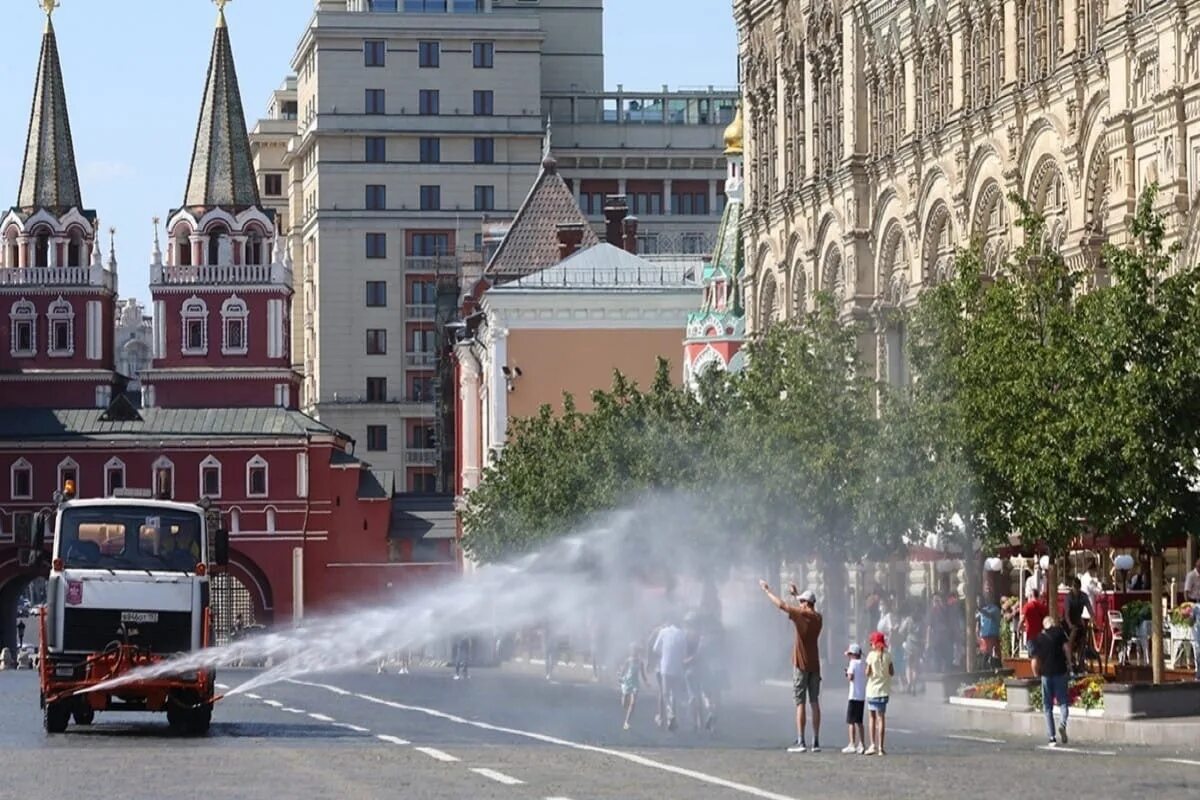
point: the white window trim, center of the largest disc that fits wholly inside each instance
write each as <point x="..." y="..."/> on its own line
<point x="210" y="463"/>
<point x="60" y="311"/>
<point x="114" y="465"/>
<point x="194" y="309"/>
<point x="252" y="464"/>
<point x="65" y="464"/>
<point x="235" y="309"/>
<point x="18" y="466"/>
<point x="162" y="462"/>
<point x="23" y="311"/>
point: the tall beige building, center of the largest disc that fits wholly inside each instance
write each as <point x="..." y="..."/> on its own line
<point x="882" y="135"/>
<point x="413" y="127"/>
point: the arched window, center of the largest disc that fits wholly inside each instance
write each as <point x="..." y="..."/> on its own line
<point x="233" y="326"/>
<point x="75" y="249"/>
<point x="256" y="477"/>
<point x="12" y="250"/>
<point x="183" y="248"/>
<point x="162" y="478"/>
<point x="114" y="476"/>
<point x="195" y="327"/>
<point x="62" y="328"/>
<point x="217" y="237"/>
<point x="270" y="520"/>
<point x="210" y="477"/>
<point x="23" y="321"/>
<point x="21" y="480"/>
<point x="41" y="249"/>
<point x="254" y="249"/>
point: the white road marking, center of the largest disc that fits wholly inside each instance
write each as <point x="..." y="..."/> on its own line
<point x="320" y="717"/>
<point x="1186" y="761"/>
<point x="900" y="730"/>
<point x="253" y="696"/>
<point x="633" y="758"/>
<point x="498" y="777"/>
<point x="292" y="710"/>
<point x="1078" y="751"/>
<point x="273" y="703"/>
<point x="349" y="727"/>
<point x="433" y="752"/>
<point x="982" y="739"/>
<point x="383" y="737"/>
<point x="558" y="798"/>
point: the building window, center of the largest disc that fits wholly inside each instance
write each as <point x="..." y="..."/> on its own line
<point x="422" y="390"/>
<point x="273" y="185"/>
<point x="376" y="245"/>
<point x="482" y="54"/>
<point x="195" y="327"/>
<point x="430" y="244"/>
<point x="485" y="198"/>
<point x="23" y="317"/>
<point x="485" y="150"/>
<point x="376" y="342"/>
<point x="382" y="5"/>
<point x="256" y="477"/>
<point x="374" y="53"/>
<point x="62" y="328"/>
<point x="114" y="477"/>
<point x="376" y="294"/>
<point x="431" y="150"/>
<point x="210" y="477"/>
<point x="689" y="203"/>
<point x="68" y="470"/>
<point x="429" y="54"/>
<point x="234" y="315"/>
<point x="376" y="101"/>
<point x="431" y="198"/>
<point x="254" y="248"/>
<point x="422" y="483"/>
<point x="484" y="102"/>
<point x="376" y="197"/>
<point x="642" y="203"/>
<point x="376" y="437"/>
<point x="424" y="293"/>
<point x="429" y="101"/>
<point x="21" y="475"/>
<point x="375" y="150"/>
<point x="422" y="341"/>
<point x="162" y="478"/>
<point x="376" y="390"/>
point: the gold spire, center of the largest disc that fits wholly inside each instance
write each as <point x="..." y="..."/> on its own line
<point x="220" y="4"/>
<point x="49" y="5"/>
<point x="734" y="133"/>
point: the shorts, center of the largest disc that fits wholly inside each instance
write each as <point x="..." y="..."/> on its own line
<point x="806" y="686"/>
<point x="877" y="704"/>
<point x="989" y="643"/>
<point x="854" y="712"/>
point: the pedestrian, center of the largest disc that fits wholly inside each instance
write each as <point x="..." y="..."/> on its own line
<point x="856" y="673"/>
<point x="633" y="675"/>
<point x="1196" y="638"/>
<point x="1191" y="584"/>
<point x="1034" y="613"/>
<point x="654" y="667"/>
<point x="913" y="653"/>
<point x="671" y="648"/>
<point x="1077" y="604"/>
<point x="1051" y="654"/>
<point x="20" y="633"/>
<point x="880" y="669"/>
<point x="939" y="637"/>
<point x="987" y="626"/>
<point x="461" y="653"/>
<point x="887" y="623"/>
<point x="696" y="673"/>
<point x="549" y="649"/>
<point x="806" y="662"/>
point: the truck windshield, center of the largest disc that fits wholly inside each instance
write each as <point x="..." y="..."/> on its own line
<point x="129" y="537"/>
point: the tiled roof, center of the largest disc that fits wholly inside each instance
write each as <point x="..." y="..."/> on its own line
<point x="532" y="240"/>
<point x="604" y="266"/>
<point x="376" y="484"/>
<point x="423" y="517"/>
<point x="42" y="424"/>
<point x="222" y="171"/>
<point x="49" y="179"/>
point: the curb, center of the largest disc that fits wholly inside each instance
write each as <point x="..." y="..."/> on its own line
<point x="1160" y="733"/>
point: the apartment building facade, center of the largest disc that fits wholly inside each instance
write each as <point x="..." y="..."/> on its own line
<point x="404" y="145"/>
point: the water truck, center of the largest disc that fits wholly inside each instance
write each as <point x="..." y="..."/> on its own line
<point x="128" y="588"/>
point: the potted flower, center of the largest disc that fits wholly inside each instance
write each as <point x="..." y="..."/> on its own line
<point x="1133" y="614"/>
<point x="1182" y="621"/>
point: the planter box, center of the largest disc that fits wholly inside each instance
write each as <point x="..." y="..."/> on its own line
<point x="1133" y="673"/>
<point x="976" y="702"/>
<point x="1020" y="693"/>
<point x="1146" y="701"/>
<point x="1021" y="667"/>
<point x="951" y="681"/>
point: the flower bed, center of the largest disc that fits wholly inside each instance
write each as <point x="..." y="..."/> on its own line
<point x="986" y="689"/>
<point x="1086" y="693"/>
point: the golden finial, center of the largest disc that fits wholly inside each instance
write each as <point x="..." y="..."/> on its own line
<point x="220" y="4"/>
<point x="49" y="5"/>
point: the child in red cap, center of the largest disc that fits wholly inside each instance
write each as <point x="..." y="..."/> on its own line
<point x="880" y="670"/>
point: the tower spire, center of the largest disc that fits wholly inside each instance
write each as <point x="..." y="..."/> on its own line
<point x="49" y="178"/>
<point x="222" y="172"/>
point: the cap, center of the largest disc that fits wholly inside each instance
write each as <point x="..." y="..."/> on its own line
<point x="854" y="650"/>
<point x="808" y="596"/>
<point x="877" y="637"/>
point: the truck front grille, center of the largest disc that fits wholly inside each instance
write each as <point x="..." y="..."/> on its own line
<point x="92" y="629"/>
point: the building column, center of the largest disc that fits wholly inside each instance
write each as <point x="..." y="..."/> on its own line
<point x="23" y="252"/>
<point x="621" y="184"/>
<point x="666" y="204"/>
<point x="52" y="251"/>
<point x="1012" y="59"/>
<point x="198" y="243"/>
<point x="712" y="197"/>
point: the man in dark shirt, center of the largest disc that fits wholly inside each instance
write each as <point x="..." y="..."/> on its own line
<point x="1077" y="625"/>
<point x="1051" y="653"/>
<point x="806" y="662"/>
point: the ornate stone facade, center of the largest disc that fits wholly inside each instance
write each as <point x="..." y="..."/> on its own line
<point x="883" y="135"/>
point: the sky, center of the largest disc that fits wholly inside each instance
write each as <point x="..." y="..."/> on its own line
<point x="134" y="76"/>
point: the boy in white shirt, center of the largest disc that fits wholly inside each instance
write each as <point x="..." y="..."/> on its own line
<point x="856" y="673"/>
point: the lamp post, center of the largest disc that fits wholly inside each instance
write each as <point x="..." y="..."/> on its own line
<point x="1124" y="563"/>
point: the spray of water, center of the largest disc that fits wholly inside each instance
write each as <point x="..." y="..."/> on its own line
<point x="623" y="574"/>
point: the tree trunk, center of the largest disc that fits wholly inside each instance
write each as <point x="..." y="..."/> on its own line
<point x="970" y="603"/>
<point x="1156" y="617"/>
<point x="1051" y="589"/>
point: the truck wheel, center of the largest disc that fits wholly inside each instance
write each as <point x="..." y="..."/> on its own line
<point x="84" y="715"/>
<point x="55" y="717"/>
<point x="199" y="720"/>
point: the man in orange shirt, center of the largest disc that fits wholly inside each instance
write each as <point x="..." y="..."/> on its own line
<point x="806" y="662"/>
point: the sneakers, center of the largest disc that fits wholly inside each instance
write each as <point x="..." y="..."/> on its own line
<point x="816" y="748"/>
<point x="870" y="751"/>
<point x="1062" y="734"/>
<point x="851" y="749"/>
<point x="860" y="751"/>
<point x="798" y="747"/>
<point x="626" y="726"/>
<point x="1052" y="743"/>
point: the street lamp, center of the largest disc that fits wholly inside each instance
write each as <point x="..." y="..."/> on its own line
<point x="1124" y="563"/>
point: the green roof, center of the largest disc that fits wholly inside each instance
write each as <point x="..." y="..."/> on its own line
<point x="26" y="424"/>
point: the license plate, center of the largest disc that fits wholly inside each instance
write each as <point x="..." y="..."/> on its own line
<point x="139" y="616"/>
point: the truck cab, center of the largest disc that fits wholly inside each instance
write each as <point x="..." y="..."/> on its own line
<point x="128" y="588"/>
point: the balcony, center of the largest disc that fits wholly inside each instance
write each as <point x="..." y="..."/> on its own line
<point x="433" y="265"/>
<point x="420" y="360"/>
<point x="420" y="311"/>
<point x="221" y="275"/>
<point x="57" y="276"/>
<point x="420" y="456"/>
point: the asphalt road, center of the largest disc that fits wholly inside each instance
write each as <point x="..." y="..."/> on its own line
<point x="510" y="734"/>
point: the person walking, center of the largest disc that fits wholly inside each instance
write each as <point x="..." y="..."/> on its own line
<point x="461" y="653"/>
<point x="1034" y="614"/>
<point x="1077" y="622"/>
<point x="1191" y="584"/>
<point x="1196" y="638"/>
<point x="856" y="673"/>
<point x="633" y="675"/>
<point x="880" y="670"/>
<point x="20" y="633"/>
<point x="806" y="662"/>
<point x="1051" y="653"/>
<point x="671" y="648"/>
<point x="987" y="628"/>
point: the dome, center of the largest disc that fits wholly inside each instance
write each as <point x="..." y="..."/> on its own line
<point x="733" y="134"/>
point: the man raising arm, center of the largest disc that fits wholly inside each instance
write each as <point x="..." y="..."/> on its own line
<point x="806" y="662"/>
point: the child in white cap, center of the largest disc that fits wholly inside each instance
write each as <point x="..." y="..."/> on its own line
<point x="856" y="673"/>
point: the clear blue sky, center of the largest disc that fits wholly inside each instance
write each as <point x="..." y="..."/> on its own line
<point x="135" y="72"/>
